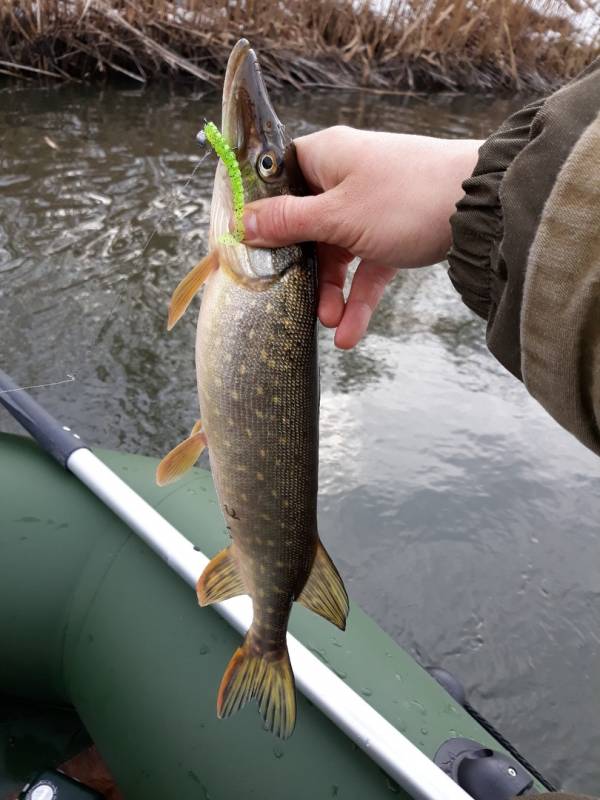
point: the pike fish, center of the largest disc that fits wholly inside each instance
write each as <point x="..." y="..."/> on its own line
<point x="256" y="362"/>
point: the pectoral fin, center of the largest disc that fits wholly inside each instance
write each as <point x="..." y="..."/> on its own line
<point x="220" y="580"/>
<point x="324" y="592"/>
<point x="192" y="283"/>
<point x="181" y="458"/>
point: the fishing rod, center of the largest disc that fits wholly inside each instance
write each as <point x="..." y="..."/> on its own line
<point x="365" y="726"/>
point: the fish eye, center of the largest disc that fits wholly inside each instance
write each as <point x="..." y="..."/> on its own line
<point x="268" y="166"/>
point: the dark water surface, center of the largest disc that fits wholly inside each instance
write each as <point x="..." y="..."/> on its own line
<point x="462" y="517"/>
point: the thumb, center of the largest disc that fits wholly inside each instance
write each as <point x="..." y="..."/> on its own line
<point x="283" y="220"/>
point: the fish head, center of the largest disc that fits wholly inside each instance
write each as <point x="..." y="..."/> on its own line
<point x="266" y="156"/>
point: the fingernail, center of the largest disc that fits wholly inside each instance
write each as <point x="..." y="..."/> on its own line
<point x="250" y="226"/>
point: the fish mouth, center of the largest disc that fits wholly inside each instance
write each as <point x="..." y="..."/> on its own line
<point x="249" y="123"/>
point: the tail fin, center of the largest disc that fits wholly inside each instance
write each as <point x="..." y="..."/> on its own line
<point x="266" y="676"/>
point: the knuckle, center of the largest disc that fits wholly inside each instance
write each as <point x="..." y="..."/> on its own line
<point x="330" y="223"/>
<point x="340" y="131"/>
<point x="282" y="216"/>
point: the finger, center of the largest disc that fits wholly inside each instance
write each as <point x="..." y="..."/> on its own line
<point x="283" y="220"/>
<point x="325" y="156"/>
<point x="333" y="267"/>
<point x="309" y="161"/>
<point x="368" y="286"/>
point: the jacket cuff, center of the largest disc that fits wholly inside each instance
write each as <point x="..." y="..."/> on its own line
<point x="477" y="225"/>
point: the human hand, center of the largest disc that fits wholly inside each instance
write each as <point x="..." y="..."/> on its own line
<point x="385" y="198"/>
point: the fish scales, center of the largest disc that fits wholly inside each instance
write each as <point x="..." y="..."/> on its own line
<point x="258" y="387"/>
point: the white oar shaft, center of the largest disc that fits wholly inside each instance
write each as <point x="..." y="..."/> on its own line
<point x="396" y="754"/>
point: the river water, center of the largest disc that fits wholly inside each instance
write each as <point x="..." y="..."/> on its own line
<point x="463" y="519"/>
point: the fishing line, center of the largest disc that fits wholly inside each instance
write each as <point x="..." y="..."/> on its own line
<point x="168" y="210"/>
<point x="170" y="207"/>
<point x="68" y="379"/>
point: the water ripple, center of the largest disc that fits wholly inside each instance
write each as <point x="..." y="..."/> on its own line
<point x="463" y="519"/>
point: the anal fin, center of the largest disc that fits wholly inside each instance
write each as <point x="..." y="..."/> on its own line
<point x="220" y="580"/>
<point x="324" y="591"/>
<point x="192" y="283"/>
<point x="182" y="458"/>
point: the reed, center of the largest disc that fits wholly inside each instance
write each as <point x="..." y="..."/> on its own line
<point x="387" y="46"/>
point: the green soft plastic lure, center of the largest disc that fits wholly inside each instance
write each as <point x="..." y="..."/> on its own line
<point x="221" y="147"/>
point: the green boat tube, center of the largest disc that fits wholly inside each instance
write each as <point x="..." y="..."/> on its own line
<point x="100" y="627"/>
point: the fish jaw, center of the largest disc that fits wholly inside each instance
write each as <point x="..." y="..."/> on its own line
<point x="254" y="132"/>
<point x="251" y="126"/>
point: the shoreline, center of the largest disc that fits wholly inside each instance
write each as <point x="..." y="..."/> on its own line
<point x="337" y="44"/>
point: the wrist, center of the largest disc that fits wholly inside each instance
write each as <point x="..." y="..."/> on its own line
<point x="460" y="158"/>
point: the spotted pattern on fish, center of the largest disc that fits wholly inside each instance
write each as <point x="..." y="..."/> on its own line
<point x="263" y="438"/>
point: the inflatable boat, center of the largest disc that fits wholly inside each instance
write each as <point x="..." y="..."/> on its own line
<point x="102" y="637"/>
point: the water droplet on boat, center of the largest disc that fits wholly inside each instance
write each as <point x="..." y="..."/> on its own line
<point x="419" y="706"/>
<point x="320" y="653"/>
<point x="196" y="548"/>
<point x="340" y="673"/>
<point x="193" y="776"/>
<point x="424" y="731"/>
<point x="399" y="677"/>
<point x="278" y="752"/>
<point x="336" y="643"/>
<point x="392" y="786"/>
<point x="203" y="649"/>
<point x="452" y="733"/>
<point x="366" y="692"/>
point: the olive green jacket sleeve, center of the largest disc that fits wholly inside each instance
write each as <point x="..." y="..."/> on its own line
<point x="526" y="250"/>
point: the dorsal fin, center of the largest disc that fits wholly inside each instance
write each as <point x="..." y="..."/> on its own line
<point x="324" y="592"/>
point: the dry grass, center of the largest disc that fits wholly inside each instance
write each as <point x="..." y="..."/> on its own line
<point x="413" y="44"/>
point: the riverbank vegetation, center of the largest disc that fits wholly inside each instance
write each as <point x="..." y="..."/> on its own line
<point x="388" y="45"/>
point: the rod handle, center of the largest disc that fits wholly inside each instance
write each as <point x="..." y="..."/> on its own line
<point x="56" y="439"/>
